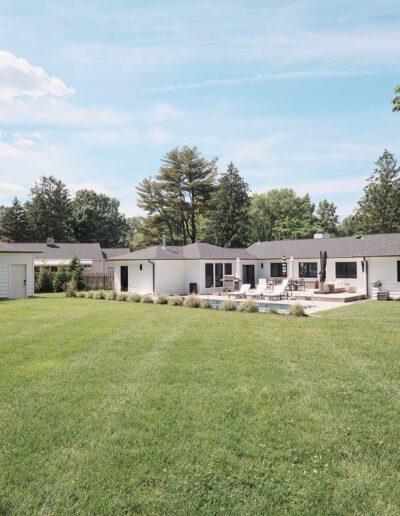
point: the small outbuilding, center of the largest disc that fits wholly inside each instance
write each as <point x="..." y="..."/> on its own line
<point x="17" y="278"/>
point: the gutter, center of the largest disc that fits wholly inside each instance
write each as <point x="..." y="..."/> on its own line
<point x="154" y="274"/>
<point x="366" y="277"/>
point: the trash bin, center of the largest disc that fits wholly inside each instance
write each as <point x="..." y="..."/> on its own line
<point x="193" y="288"/>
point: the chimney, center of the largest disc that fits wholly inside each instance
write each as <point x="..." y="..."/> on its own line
<point x="50" y="241"/>
<point x="320" y="234"/>
<point x="164" y="241"/>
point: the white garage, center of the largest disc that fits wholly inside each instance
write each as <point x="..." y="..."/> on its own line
<point x="16" y="271"/>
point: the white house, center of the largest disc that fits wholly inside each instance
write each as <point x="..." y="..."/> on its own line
<point x="16" y="271"/>
<point x="354" y="263"/>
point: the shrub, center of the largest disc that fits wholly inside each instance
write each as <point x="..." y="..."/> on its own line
<point x="135" y="298"/>
<point x="122" y="296"/>
<point x="175" y="301"/>
<point x="273" y="310"/>
<point x="112" y="296"/>
<point x="77" y="272"/>
<point x="297" y="311"/>
<point x="90" y="294"/>
<point x="44" y="281"/>
<point x="192" y="301"/>
<point x="61" y="278"/>
<point x="229" y="305"/>
<point x="100" y="294"/>
<point x="207" y="303"/>
<point x="162" y="299"/>
<point x="81" y="293"/>
<point x="70" y="292"/>
<point x="249" y="306"/>
<point x="147" y="299"/>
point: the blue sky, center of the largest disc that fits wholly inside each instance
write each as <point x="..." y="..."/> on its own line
<point x="296" y="93"/>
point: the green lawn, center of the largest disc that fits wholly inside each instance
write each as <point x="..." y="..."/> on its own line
<point x="111" y="408"/>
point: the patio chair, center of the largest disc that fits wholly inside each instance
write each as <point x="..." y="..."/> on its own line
<point x="257" y="292"/>
<point x="279" y="291"/>
<point x="241" y="293"/>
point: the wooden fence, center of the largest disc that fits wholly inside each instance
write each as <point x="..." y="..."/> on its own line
<point x="99" y="280"/>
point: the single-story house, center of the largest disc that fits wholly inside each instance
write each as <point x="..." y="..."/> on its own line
<point x="356" y="262"/>
<point x="92" y="257"/>
<point x="16" y="270"/>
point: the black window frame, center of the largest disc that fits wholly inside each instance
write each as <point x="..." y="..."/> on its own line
<point x="308" y="270"/>
<point x="226" y="267"/>
<point x="124" y="281"/>
<point x="281" y="269"/>
<point x="209" y="278"/>
<point x="219" y="276"/>
<point x="347" y="272"/>
<point x="398" y="271"/>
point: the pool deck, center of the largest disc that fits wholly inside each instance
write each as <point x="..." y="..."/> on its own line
<point x="312" y="303"/>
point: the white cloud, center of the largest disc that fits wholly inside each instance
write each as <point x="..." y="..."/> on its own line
<point x="19" y="78"/>
<point x="18" y="140"/>
<point x="10" y="189"/>
<point x="301" y="74"/>
<point x="97" y="187"/>
<point x="7" y="150"/>
<point x="157" y="135"/>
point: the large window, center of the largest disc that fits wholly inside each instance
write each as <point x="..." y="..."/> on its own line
<point x="308" y="270"/>
<point x="209" y="275"/>
<point x="219" y="275"/>
<point x="279" y="270"/>
<point x="346" y="270"/>
<point x="228" y="269"/>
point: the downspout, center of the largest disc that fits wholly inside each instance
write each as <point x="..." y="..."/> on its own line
<point x="154" y="274"/>
<point x="366" y="277"/>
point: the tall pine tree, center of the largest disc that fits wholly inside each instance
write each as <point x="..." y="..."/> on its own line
<point x="379" y="209"/>
<point x="50" y="211"/>
<point x="13" y="222"/>
<point x="228" y="215"/>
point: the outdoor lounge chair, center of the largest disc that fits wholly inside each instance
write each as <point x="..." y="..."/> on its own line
<point x="242" y="292"/>
<point x="279" y="291"/>
<point x="259" y="290"/>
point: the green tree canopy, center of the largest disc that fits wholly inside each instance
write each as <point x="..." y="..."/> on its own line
<point x="49" y="211"/>
<point x="379" y="208"/>
<point x="14" y="222"/>
<point x="327" y="217"/>
<point x="280" y="214"/>
<point x="178" y="195"/>
<point x="96" y="218"/>
<point x="348" y="226"/>
<point x="228" y="211"/>
<point x="396" y="100"/>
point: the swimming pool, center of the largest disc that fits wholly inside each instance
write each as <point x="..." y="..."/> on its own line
<point x="280" y="308"/>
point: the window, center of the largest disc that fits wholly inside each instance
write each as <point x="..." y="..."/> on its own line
<point x="209" y="275"/>
<point x="124" y="278"/>
<point x="308" y="270"/>
<point x="279" y="270"/>
<point x="219" y="275"/>
<point x="262" y="265"/>
<point x="398" y="271"/>
<point x="141" y="267"/>
<point x="228" y="269"/>
<point x="346" y="270"/>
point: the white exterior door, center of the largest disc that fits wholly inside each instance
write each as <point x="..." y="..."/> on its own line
<point x="17" y="281"/>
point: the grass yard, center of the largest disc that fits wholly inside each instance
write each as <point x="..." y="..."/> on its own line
<point x="111" y="408"/>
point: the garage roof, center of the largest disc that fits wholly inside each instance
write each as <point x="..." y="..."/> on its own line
<point x="6" y="247"/>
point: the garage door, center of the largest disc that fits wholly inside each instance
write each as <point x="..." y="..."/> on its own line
<point x="17" y="281"/>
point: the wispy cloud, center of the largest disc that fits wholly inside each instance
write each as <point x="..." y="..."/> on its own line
<point x="301" y="74"/>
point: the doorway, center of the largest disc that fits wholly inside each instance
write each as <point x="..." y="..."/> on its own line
<point x="124" y="278"/>
<point x="17" y="281"/>
<point x="248" y="275"/>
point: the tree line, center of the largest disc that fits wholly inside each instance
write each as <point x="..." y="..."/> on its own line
<point x="188" y="201"/>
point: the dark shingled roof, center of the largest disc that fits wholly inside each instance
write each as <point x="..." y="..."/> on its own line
<point x="59" y="251"/>
<point x="110" y="252"/>
<point x="6" y="247"/>
<point x="342" y="247"/>
<point x="197" y="251"/>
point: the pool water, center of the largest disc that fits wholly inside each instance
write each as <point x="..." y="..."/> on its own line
<point x="262" y="307"/>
